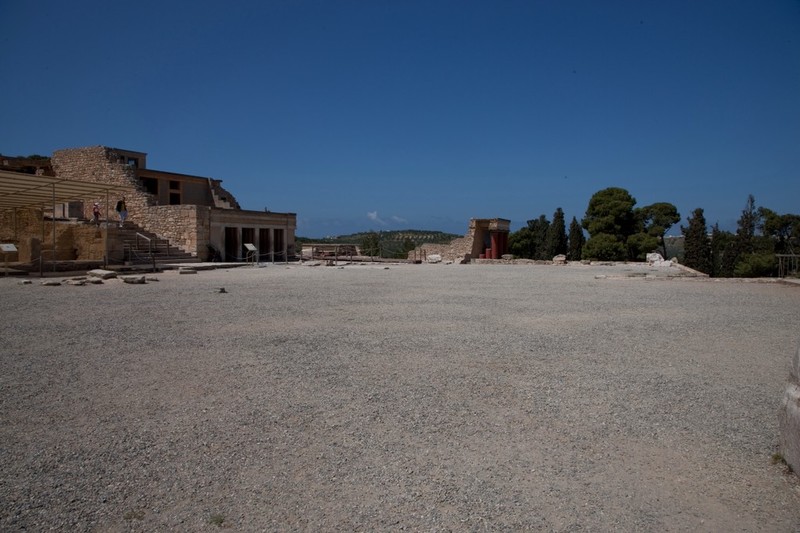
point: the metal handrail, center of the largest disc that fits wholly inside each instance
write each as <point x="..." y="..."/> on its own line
<point x="149" y="247"/>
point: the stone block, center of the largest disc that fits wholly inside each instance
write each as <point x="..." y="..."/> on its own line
<point x="789" y="417"/>
<point x="134" y="280"/>
<point x="789" y="422"/>
<point x="101" y="273"/>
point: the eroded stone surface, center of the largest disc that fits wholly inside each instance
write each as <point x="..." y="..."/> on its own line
<point x="789" y="417"/>
<point x="134" y="280"/>
<point x="102" y="273"/>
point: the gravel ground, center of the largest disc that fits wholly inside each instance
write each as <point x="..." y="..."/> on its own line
<point x="417" y="397"/>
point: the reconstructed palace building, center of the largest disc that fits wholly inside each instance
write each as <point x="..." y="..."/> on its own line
<point x="193" y="213"/>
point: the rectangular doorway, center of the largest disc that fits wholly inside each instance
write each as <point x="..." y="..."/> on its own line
<point x="248" y="236"/>
<point x="231" y="244"/>
<point x="264" y="244"/>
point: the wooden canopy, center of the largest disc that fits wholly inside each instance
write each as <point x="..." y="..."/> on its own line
<point x="18" y="190"/>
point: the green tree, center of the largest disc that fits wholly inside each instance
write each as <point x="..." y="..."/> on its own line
<point x="576" y="240"/>
<point x="604" y="247"/>
<point x="557" y="235"/>
<point x="609" y="215"/>
<point x="610" y="212"/>
<point x="539" y="228"/>
<point x="371" y="244"/>
<point x="785" y="229"/>
<point x="697" y="246"/>
<point x="639" y="245"/>
<point x="657" y="219"/>
<point x="723" y="252"/>
<point x="520" y="243"/>
<point x="746" y="227"/>
<point x="753" y="253"/>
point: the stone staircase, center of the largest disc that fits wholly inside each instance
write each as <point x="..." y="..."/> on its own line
<point x="134" y="245"/>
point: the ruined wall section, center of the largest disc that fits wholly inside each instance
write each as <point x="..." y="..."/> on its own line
<point x="185" y="226"/>
<point x="222" y="197"/>
<point x="74" y="240"/>
<point x="100" y="164"/>
<point x="18" y="226"/>
<point x="456" y="250"/>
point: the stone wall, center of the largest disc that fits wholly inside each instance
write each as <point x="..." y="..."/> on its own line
<point x="100" y="164"/>
<point x="467" y="248"/>
<point x="185" y="226"/>
<point x="789" y="417"/>
<point x="456" y="250"/>
<point x="74" y="240"/>
<point x="17" y="227"/>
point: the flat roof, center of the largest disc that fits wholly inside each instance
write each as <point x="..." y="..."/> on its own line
<point x="20" y="190"/>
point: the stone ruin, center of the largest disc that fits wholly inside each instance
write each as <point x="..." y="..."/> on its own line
<point x="487" y="238"/>
<point x="789" y="417"/>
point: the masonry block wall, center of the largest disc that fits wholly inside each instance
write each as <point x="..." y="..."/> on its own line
<point x="183" y="225"/>
<point x="186" y="226"/>
<point x="17" y="227"/>
<point x="100" y="164"/>
<point x="74" y="240"/>
<point x="456" y="250"/>
<point x="789" y="417"/>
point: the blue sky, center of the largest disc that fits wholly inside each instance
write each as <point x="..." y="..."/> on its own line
<point x="360" y="115"/>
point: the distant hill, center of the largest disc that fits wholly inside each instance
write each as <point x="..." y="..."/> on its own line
<point x="417" y="236"/>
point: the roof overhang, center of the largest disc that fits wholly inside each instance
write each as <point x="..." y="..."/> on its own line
<point x="19" y="190"/>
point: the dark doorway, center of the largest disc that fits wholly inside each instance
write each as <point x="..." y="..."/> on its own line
<point x="279" y="245"/>
<point x="248" y="236"/>
<point x="231" y="244"/>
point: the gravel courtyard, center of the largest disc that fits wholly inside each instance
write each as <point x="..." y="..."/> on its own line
<point x="416" y="397"/>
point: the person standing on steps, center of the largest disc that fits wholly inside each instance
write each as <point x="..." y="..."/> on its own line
<point x="96" y="214"/>
<point x="122" y="210"/>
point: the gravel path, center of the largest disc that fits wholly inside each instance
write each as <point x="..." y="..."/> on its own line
<point x="418" y="397"/>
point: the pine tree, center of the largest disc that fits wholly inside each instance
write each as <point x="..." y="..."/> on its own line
<point x="576" y="240"/>
<point x="538" y="229"/>
<point x="557" y="235"/>
<point x="746" y="226"/>
<point x="697" y="247"/>
<point x="723" y="252"/>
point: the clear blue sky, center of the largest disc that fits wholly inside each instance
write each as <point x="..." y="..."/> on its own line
<point x="374" y="114"/>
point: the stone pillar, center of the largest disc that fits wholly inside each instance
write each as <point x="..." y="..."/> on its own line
<point x="272" y="245"/>
<point x="239" y="240"/>
<point x="495" y="239"/>
<point x="789" y="417"/>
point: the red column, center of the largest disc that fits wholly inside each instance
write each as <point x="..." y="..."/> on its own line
<point x="495" y="245"/>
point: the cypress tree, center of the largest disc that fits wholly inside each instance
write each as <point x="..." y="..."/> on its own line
<point x="538" y="231"/>
<point x="696" y="246"/>
<point x="576" y="240"/>
<point x="557" y="235"/>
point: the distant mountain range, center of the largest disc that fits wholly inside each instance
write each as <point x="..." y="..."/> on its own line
<point x="415" y="235"/>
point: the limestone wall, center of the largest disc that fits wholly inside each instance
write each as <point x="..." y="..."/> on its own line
<point x="100" y="164"/>
<point x="456" y="250"/>
<point x="789" y="417"/>
<point x="185" y="226"/>
<point x="33" y="238"/>
<point x="17" y="227"/>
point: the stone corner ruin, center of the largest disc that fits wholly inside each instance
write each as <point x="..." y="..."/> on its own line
<point x="486" y="239"/>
